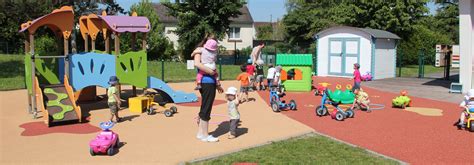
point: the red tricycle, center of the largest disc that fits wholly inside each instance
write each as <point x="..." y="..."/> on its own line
<point x="320" y="88"/>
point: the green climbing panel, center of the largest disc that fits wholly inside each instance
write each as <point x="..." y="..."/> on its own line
<point x="46" y="71"/>
<point x="131" y="68"/>
<point x="57" y="102"/>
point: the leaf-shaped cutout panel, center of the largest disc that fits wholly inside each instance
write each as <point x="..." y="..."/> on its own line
<point x="81" y="69"/>
<point x="139" y="63"/>
<point x="131" y="65"/>
<point x="92" y="66"/>
<point x="123" y="66"/>
<point x="102" y="68"/>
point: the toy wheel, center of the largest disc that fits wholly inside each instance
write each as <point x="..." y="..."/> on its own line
<point x="92" y="152"/>
<point x="117" y="143"/>
<point x="321" y="110"/>
<point x="471" y="127"/>
<point x="339" y="116"/>
<point x="168" y="113"/>
<point x="110" y="151"/>
<point x="293" y="105"/>
<point x="275" y="107"/>
<point x="350" y="113"/>
<point x="174" y="109"/>
<point x="316" y="93"/>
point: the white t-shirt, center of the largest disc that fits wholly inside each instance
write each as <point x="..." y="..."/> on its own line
<point x="468" y="103"/>
<point x="277" y="77"/>
<point x="271" y="73"/>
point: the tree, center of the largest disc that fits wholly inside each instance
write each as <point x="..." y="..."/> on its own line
<point x="196" y="18"/>
<point x="265" y="32"/>
<point x="447" y="19"/>
<point x="158" y="45"/>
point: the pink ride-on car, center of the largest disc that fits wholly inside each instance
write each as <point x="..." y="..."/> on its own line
<point x="106" y="141"/>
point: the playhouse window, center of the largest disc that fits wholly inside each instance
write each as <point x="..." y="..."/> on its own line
<point x="294" y="74"/>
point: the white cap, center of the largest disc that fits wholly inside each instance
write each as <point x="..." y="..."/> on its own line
<point x="231" y="91"/>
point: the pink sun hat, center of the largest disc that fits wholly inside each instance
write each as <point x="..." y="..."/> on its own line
<point x="211" y="45"/>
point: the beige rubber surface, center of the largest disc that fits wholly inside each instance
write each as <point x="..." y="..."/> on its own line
<point x="148" y="139"/>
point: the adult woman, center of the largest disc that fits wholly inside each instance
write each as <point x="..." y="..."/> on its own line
<point x="209" y="85"/>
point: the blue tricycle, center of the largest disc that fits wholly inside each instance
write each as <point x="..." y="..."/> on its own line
<point x="277" y="104"/>
<point x="338" y="113"/>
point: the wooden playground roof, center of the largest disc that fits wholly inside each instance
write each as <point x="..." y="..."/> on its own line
<point x="59" y="21"/>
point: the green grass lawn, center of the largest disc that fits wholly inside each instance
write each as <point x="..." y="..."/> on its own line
<point x="412" y="70"/>
<point x="306" y="150"/>
<point x="12" y="72"/>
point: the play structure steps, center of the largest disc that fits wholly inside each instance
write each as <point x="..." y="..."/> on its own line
<point x="167" y="92"/>
<point x="57" y="103"/>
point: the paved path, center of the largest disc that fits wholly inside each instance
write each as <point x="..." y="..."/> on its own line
<point x="401" y="134"/>
<point x="427" y="88"/>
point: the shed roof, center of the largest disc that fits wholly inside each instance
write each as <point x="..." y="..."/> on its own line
<point x="376" y="33"/>
<point x="294" y="59"/>
<point x="162" y="12"/>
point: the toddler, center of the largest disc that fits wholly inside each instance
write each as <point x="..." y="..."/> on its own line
<point x="357" y="77"/>
<point x="244" y="82"/>
<point x="251" y="71"/>
<point x="270" y="75"/>
<point x="208" y="58"/>
<point x="259" y="77"/>
<point x="233" y="101"/>
<point x="468" y="103"/>
<point x="114" y="101"/>
<point x="361" y="100"/>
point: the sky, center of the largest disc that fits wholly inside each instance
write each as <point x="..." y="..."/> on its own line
<point x="261" y="10"/>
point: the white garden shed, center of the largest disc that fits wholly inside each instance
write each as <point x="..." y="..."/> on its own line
<point x="338" y="48"/>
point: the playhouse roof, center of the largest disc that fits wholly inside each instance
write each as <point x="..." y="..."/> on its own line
<point x="376" y="33"/>
<point x="60" y="20"/>
<point x="122" y="24"/>
<point x="294" y="59"/>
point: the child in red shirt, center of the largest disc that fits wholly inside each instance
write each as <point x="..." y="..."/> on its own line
<point x="251" y="71"/>
<point x="357" y="77"/>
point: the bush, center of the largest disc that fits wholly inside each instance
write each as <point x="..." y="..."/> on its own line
<point x="46" y="45"/>
<point x="246" y="51"/>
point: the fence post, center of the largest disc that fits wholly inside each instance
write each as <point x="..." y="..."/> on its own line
<point x="163" y="70"/>
<point x="400" y="65"/>
<point x="420" y="64"/>
<point x="220" y="68"/>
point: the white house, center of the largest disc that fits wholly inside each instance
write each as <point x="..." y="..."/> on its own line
<point x="241" y="31"/>
<point x="338" y="48"/>
<point x="466" y="44"/>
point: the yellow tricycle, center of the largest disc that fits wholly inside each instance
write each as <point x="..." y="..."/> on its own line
<point x="154" y="99"/>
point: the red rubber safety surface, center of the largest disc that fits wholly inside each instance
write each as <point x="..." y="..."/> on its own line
<point x="404" y="135"/>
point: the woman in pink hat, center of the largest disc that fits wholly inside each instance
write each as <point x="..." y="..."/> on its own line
<point x="205" y="61"/>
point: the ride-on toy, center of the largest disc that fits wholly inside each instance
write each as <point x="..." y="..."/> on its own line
<point x="154" y="99"/>
<point x="320" y="88"/>
<point x="277" y="104"/>
<point x="106" y="141"/>
<point x="337" y="113"/>
<point x="469" y="120"/>
<point x="366" y="77"/>
<point x="402" y="101"/>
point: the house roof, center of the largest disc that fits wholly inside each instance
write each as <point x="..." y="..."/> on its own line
<point x="294" y="59"/>
<point x="376" y="33"/>
<point x="162" y="12"/>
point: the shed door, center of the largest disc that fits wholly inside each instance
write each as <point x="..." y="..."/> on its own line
<point x="343" y="53"/>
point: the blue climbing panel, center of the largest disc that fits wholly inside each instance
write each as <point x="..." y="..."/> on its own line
<point x="91" y="69"/>
<point x="176" y="96"/>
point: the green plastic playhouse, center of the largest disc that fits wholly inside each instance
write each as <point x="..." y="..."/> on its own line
<point x="301" y="65"/>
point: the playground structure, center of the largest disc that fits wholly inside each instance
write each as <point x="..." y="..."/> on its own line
<point x="55" y="83"/>
<point x="299" y="65"/>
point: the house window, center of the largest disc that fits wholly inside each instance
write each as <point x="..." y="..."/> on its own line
<point x="234" y="33"/>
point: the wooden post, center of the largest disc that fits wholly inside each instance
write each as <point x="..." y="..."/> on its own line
<point x="107" y="43"/>
<point x="66" y="53"/>
<point x="117" y="43"/>
<point x="92" y="44"/>
<point x="134" y="38"/>
<point x="86" y="43"/>
<point x="144" y="41"/>
<point x="33" y="73"/>
<point x="27" y="50"/>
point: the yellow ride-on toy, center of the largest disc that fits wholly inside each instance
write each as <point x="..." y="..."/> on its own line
<point x="154" y="98"/>
<point x="469" y="119"/>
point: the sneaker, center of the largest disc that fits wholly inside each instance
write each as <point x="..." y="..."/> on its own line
<point x="460" y="125"/>
<point x="210" y="138"/>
